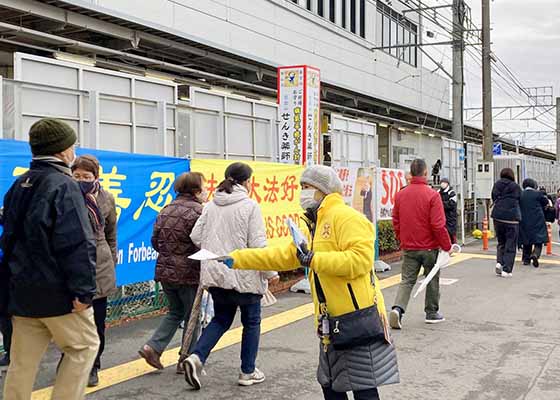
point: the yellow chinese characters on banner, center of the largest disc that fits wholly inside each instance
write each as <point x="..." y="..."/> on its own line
<point x="274" y="186"/>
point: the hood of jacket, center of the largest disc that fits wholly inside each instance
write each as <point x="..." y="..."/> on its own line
<point x="223" y="199"/>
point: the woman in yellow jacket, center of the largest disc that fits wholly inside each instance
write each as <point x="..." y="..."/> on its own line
<point x="342" y="258"/>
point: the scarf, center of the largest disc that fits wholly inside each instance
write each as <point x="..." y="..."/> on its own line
<point x="90" y="190"/>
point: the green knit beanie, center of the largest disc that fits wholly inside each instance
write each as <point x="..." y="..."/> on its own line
<point x="50" y="136"/>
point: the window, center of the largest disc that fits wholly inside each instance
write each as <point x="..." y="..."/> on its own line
<point x="321" y="8"/>
<point x="353" y="16"/>
<point x="332" y="10"/>
<point x="309" y="5"/>
<point x="396" y="30"/>
<point x="344" y="13"/>
<point x="363" y="18"/>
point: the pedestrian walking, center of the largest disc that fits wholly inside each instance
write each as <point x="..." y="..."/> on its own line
<point x="179" y="275"/>
<point x="49" y="267"/>
<point x="506" y="213"/>
<point x="449" y="199"/>
<point x="102" y="215"/>
<point x="419" y="223"/>
<point x="232" y="220"/>
<point x="5" y="321"/>
<point x="356" y="353"/>
<point x="436" y="169"/>
<point x="533" y="232"/>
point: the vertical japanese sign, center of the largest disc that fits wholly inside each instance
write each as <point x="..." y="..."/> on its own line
<point x="358" y="188"/>
<point x="141" y="185"/>
<point x="299" y="99"/>
<point x="389" y="183"/>
<point x="274" y="186"/>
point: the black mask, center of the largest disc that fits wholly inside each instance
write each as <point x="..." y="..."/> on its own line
<point x="86" y="187"/>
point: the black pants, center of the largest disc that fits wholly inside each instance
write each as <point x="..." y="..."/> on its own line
<point x="370" y="394"/>
<point x="6" y="329"/>
<point x="100" y="315"/>
<point x="507" y="244"/>
<point x="531" y="250"/>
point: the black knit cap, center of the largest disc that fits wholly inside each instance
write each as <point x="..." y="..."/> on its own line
<point x="50" y="136"/>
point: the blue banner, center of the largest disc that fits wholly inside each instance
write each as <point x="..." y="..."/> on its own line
<point x="141" y="184"/>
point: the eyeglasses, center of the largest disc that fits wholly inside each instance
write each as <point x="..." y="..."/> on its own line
<point x="83" y="177"/>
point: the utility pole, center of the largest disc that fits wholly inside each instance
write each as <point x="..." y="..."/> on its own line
<point x="558" y="130"/>
<point x="487" y="135"/>
<point x="458" y="48"/>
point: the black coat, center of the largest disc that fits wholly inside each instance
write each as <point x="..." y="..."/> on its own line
<point x="449" y="199"/>
<point x="505" y="196"/>
<point x="54" y="251"/>
<point x="533" y="226"/>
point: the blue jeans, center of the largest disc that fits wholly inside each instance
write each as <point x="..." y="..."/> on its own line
<point x="225" y="309"/>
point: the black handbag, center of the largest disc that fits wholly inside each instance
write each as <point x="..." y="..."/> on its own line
<point x="549" y="214"/>
<point x="357" y="328"/>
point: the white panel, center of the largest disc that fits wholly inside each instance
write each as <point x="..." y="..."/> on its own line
<point x="148" y="141"/>
<point x="170" y="151"/>
<point x="239" y="106"/>
<point x="159" y="12"/>
<point x="264" y="145"/>
<point x="106" y="84"/>
<point x="206" y="133"/>
<point x="49" y="103"/>
<point x="115" y="111"/>
<point x="170" y="118"/>
<point x="48" y="74"/>
<point x="239" y="136"/>
<point x="355" y="146"/>
<point x="115" y="138"/>
<point x="146" y="114"/>
<point x="210" y="101"/>
<point x="266" y="111"/>
<point x="154" y="91"/>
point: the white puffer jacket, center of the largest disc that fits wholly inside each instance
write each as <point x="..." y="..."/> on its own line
<point x="231" y="222"/>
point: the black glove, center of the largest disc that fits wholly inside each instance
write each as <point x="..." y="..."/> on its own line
<point x="305" y="256"/>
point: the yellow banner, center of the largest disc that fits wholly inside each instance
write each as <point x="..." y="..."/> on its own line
<point x="274" y="186"/>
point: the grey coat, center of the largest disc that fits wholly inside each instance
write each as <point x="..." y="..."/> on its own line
<point x="360" y="368"/>
<point x="106" y="247"/>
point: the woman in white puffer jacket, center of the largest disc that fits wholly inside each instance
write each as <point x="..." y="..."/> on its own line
<point x="229" y="222"/>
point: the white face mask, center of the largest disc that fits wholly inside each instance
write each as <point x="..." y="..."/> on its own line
<point x="307" y="199"/>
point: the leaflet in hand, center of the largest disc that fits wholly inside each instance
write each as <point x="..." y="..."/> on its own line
<point x="205" y="255"/>
<point x="299" y="238"/>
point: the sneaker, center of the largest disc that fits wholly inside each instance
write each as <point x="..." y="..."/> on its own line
<point x="151" y="356"/>
<point x="93" y="379"/>
<point x="506" y="274"/>
<point x="251" y="379"/>
<point x="499" y="269"/>
<point x="4" y="361"/>
<point x="193" y="370"/>
<point x="395" y="319"/>
<point x="535" y="262"/>
<point x="435" y="318"/>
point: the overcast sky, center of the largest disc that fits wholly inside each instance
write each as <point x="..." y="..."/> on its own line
<point x="526" y="36"/>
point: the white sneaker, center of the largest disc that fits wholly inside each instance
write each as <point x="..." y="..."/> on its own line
<point x="499" y="269"/>
<point x="395" y="319"/>
<point x="506" y="274"/>
<point x="250" y="379"/>
<point x="193" y="370"/>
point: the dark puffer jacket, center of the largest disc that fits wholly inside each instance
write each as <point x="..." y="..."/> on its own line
<point x="506" y="195"/>
<point x="171" y="239"/>
<point x="54" y="255"/>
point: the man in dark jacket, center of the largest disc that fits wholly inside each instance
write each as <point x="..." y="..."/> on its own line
<point x="49" y="265"/>
<point x="419" y="223"/>
<point x="449" y="200"/>
<point x="5" y="322"/>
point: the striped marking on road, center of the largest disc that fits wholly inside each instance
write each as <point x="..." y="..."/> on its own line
<point x="134" y="369"/>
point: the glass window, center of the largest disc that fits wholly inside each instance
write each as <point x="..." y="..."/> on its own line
<point x="386" y="32"/>
<point x="353" y="16"/>
<point x="332" y="10"/>
<point x="321" y="8"/>
<point x="363" y="18"/>
<point x="379" y="29"/>
<point x="393" y="39"/>
<point x="344" y="13"/>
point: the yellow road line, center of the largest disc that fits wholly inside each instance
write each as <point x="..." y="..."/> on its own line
<point x="121" y="373"/>
<point x="542" y="260"/>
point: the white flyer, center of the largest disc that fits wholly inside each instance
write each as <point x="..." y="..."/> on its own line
<point x="205" y="255"/>
<point x="299" y="238"/>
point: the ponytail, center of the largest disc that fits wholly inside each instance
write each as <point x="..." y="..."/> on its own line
<point x="235" y="174"/>
<point x="226" y="186"/>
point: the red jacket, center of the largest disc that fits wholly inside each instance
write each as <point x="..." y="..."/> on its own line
<point x="419" y="219"/>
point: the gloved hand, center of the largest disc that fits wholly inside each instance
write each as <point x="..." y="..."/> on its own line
<point x="305" y="256"/>
<point x="228" y="262"/>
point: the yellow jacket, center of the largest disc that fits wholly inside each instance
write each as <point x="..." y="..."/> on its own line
<point x="344" y="252"/>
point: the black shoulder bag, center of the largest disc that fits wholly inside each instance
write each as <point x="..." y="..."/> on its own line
<point x="357" y="328"/>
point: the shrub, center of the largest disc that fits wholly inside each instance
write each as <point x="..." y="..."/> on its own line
<point x="387" y="240"/>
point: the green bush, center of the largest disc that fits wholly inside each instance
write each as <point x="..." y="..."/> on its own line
<point x="387" y="240"/>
